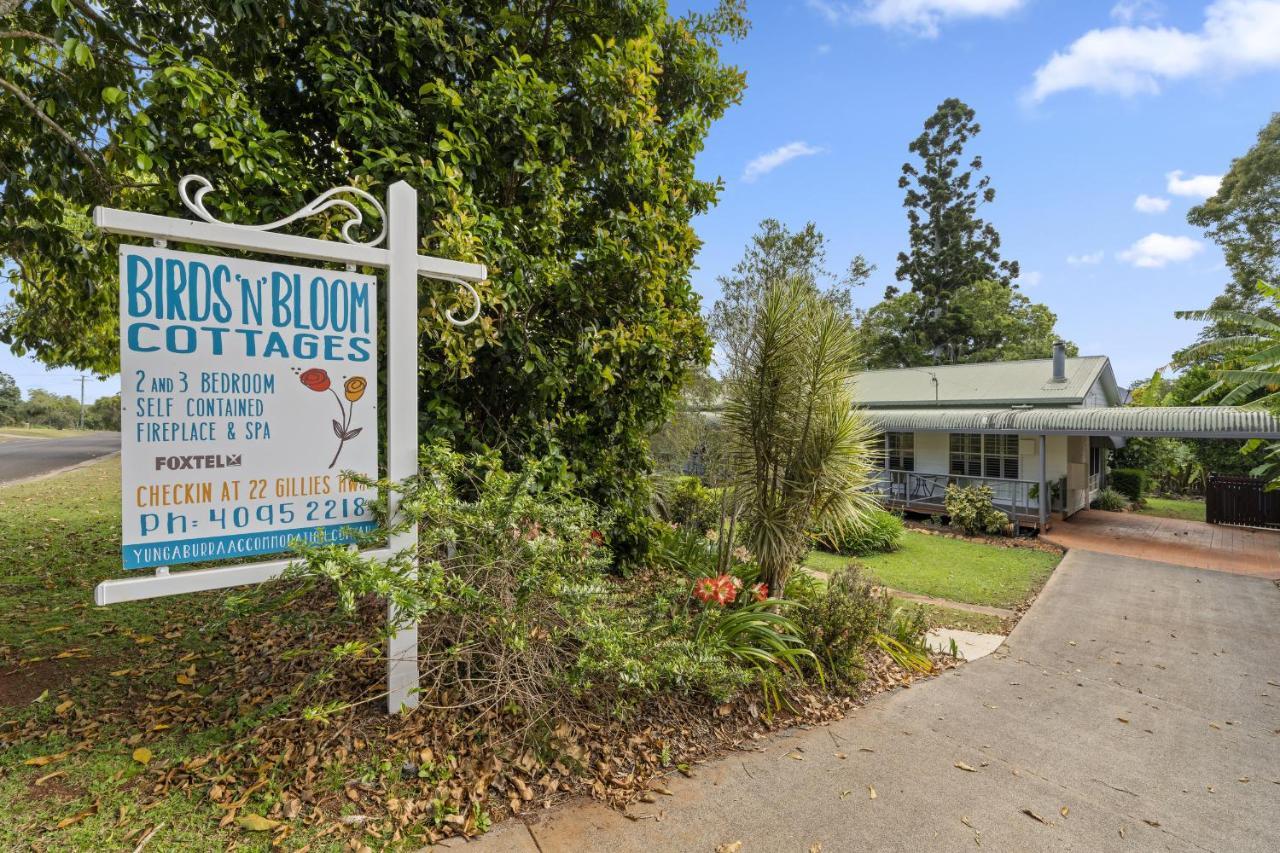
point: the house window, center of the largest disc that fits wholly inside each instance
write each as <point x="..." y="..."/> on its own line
<point x="902" y="451"/>
<point x="992" y="456"/>
<point x="1000" y="456"/>
<point x="1095" y="460"/>
<point x="966" y="454"/>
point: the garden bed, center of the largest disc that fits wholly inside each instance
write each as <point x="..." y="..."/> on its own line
<point x="182" y="723"/>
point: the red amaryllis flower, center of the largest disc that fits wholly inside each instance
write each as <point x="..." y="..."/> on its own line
<point x="760" y="591"/>
<point x="705" y="590"/>
<point x="315" y="378"/>
<point x="726" y="589"/>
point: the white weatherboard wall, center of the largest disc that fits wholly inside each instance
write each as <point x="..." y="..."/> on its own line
<point x="933" y="455"/>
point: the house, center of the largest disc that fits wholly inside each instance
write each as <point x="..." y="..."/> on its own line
<point x="1027" y="429"/>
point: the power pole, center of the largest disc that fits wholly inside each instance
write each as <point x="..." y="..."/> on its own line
<point x="81" y="381"/>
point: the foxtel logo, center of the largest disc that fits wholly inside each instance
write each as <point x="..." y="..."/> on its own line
<point x="211" y="460"/>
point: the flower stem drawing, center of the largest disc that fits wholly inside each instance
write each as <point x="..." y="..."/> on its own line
<point x="353" y="389"/>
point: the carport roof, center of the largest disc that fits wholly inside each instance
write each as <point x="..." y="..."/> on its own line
<point x="1129" y="422"/>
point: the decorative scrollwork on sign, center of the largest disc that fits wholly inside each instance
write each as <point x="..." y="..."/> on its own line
<point x="324" y="201"/>
<point x="475" y="298"/>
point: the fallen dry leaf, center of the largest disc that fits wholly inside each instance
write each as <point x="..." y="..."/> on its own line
<point x="731" y="847"/>
<point x="965" y="767"/>
<point x="142" y="755"/>
<point x="1064" y="811"/>
<point x="257" y="823"/>
<point x="871" y="789"/>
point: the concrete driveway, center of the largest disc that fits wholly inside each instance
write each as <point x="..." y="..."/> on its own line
<point x="1221" y="547"/>
<point x="1135" y="707"/>
<point x="23" y="458"/>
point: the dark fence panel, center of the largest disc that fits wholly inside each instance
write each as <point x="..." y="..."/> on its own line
<point x="1236" y="499"/>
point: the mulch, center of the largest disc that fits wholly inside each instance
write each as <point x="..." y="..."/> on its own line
<point x="403" y="780"/>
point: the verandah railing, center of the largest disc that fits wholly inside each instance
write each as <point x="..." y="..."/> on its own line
<point x="924" y="492"/>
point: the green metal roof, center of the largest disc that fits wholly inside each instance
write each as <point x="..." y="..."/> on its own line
<point x="995" y="383"/>
<point x="1130" y="422"/>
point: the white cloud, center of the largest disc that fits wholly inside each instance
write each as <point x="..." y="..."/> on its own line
<point x="1150" y="204"/>
<point x="1031" y="278"/>
<point x="1196" y="186"/>
<point x="770" y="160"/>
<point x="1088" y="258"/>
<point x="824" y="49"/>
<point x="1129" y="11"/>
<point x="1156" y="250"/>
<point x="921" y="17"/>
<point x="1238" y="37"/>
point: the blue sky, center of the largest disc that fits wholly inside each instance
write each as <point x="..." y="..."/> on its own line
<point x="1085" y="106"/>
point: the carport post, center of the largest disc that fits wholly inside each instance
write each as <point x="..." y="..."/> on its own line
<point x="1044" y="484"/>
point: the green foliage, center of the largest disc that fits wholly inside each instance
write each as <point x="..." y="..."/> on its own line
<point x="103" y="413"/>
<point x="691" y="441"/>
<point x="973" y="510"/>
<point x="776" y="253"/>
<point x="1248" y="367"/>
<point x="41" y="408"/>
<point x="1241" y="216"/>
<point x="950" y="245"/>
<point x="10" y="399"/>
<point x="994" y="323"/>
<point x="841" y="621"/>
<point x="691" y="505"/>
<point x="1130" y="482"/>
<point x="1111" y="500"/>
<point x="757" y="635"/>
<point x="800" y="452"/>
<point x="881" y="532"/>
<point x="555" y="144"/>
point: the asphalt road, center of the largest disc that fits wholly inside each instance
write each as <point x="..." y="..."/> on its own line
<point x="1134" y="708"/>
<point x="21" y="458"/>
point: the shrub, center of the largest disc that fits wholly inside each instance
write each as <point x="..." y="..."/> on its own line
<point x="691" y="505"/>
<point x="1110" y="500"/>
<point x="881" y="532"/>
<point x="973" y="510"/>
<point x="515" y="607"/>
<point x="850" y="615"/>
<point x="1131" y="482"/>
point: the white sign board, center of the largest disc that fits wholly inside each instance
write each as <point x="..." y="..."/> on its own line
<point x="247" y="388"/>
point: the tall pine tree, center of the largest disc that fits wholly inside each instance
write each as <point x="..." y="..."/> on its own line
<point x="950" y="245"/>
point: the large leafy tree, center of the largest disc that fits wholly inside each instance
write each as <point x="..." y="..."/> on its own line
<point x="554" y="142"/>
<point x="776" y="253"/>
<point x="950" y="246"/>
<point x="1244" y="217"/>
<point x="1000" y="324"/>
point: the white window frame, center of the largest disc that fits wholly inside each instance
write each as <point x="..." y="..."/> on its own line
<point x="978" y="452"/>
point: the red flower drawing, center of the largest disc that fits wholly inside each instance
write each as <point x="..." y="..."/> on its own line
<point x="317" y="379"/>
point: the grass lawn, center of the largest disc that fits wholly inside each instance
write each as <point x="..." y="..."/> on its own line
<point x="68" y="778"/>
<point x="949" y="617"/>
<point x="942" y="567"/>
<point x="39" y="432"/>
<point x="1185" y="509"/>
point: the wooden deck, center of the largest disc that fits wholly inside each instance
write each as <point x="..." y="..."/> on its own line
<point x="930" y="506"/>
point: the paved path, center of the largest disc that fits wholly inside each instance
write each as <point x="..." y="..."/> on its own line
<point x="1220" y="547"/>
<point x="22" y="458"/>
<point x="1142" y="699"/>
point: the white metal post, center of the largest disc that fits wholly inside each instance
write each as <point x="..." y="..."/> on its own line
<point x="1044" y="485"/>
<point x="402" y="414"/>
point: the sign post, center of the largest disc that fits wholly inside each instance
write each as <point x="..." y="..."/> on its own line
<point x="248" y="385"/>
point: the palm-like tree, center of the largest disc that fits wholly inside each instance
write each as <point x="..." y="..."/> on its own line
<point x="1249" y="372"/>
<point x="800" y="452"/>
